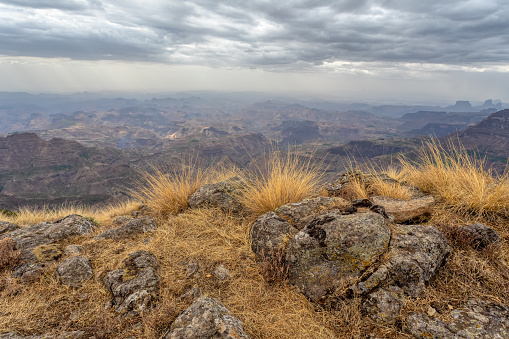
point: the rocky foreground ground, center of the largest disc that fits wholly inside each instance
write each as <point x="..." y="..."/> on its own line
<point x="380" y="252"/>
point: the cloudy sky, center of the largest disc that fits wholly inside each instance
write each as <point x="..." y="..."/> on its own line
<point x="400" y="50"/>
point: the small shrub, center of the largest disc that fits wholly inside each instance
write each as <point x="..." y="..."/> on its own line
<point x="9" y="257"/>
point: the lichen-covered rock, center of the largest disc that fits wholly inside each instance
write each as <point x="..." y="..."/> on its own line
<point x="403" y="210"/>
<point x="415" y="254"/>
<point x="334" y="248"/>
<point x="6" y="227"/>
<point x="135" y="287"/>
<point x="224" y="195"/>
<point x="206" y="318"/>
<point x="384" y="305"/>
<point x="130" y="227"/>
<point x="301" y="213"/>
<point x="270" y="234"/>
<point x="479" y="235"/>
<point x="476" y="319"/>
<point x="74" y="271"/>
<point x="50" y="232"/>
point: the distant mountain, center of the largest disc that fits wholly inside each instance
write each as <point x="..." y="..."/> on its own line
<point x="490" y="136"/>
<point x="33" y="170"/>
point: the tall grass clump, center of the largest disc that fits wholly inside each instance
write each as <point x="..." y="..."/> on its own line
<point x="285" y="178"/>
<point x="458" y="179"/>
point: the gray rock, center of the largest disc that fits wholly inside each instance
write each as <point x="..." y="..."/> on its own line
<point x="333" y="249"/>
<point x="301" y="213"/>
<point x="384" y="305"/>
<point x="193" y="269"/>
<point x="27" y="238"/>
<point x="221" y="272"/>
<point x="270" y="234"/>
<point x="415" y="254"/>
<point x="206" y="318"/>
<point x="479" y="235"/>
<point x="192" y="294"/>
<point x="476" y="319"/>
<point x="74" y="271"/>
<point x="6" y="227"/>
<point x="132" y="226"/>
<point x="135" y="287"/>
<point x="402" y="210"/>
<point x="122" y="219"/>
<point x="224" y="195"/>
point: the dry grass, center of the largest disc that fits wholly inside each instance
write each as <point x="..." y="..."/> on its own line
<point x="361" y="187"/>
<point x="458" y="180"/>
<point x="9" y="257"/>
<point x="32" y="215"/>
<point x="284" y="179"/>
<point x="166" y="191"/>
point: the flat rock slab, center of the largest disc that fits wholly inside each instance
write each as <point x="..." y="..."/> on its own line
<point x="477" y="319"/>
<point x="402" y="210"/>
<point x="6" y="227"/>
<point x="206" y="318"/>
<point x="129" y="228"/>
<point x="334" y="248"/>
<point x="50" y="232"/>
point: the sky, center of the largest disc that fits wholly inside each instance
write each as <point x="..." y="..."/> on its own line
<point x="399" y="50"/>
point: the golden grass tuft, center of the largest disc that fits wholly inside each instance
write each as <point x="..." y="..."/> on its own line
<point x="458" y="179"/>
<point x="285" y="178"/>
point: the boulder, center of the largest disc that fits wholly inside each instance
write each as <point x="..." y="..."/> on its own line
<point x="301" y="213"/>
<point x="476" y="319"/>
<point x="74" y="271"/>
<point x="224" y="195"/>
<point x="403" y="210"/>
<point x="333" y="249"/>
<point x="206" y="318"/>
<point x="478" y="235"/>
<point x="269" y="234"/>
<point x="129" y="228"/>
<point x="415" y="254"/>
<point x="135" y="287"/>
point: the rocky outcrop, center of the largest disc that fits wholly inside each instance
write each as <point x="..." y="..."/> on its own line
<point x="402" y="210"/>
<point x="74" y="271"/>
<point x="6" y="227"/>
<point x="129" y="228"/>
<point x="206" y="318"/>
<point x="39" y="243"/>
<point x="134" y="287"/>
<point x="333" y="249"/>
<point x="476" y="319"/>
<point x="224" y="195"/>
<point x="478" y="235"/>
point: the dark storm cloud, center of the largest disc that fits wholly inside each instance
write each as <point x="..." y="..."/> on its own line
<point x="259" y="33"/>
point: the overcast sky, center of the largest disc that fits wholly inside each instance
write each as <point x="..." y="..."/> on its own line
<point x="399" y="50"/>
